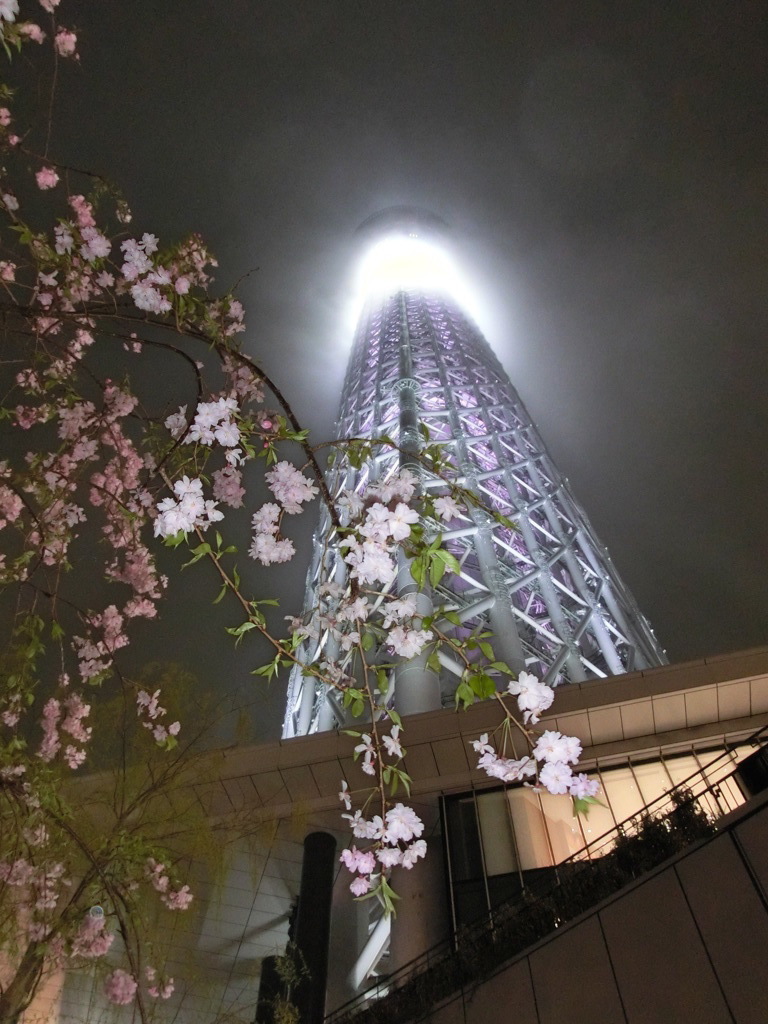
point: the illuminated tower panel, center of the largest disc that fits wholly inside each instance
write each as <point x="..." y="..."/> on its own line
<point x="546" y="589"/>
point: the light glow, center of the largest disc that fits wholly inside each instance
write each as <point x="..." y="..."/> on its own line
<point x="409" y="263"/>
<point x="405" y="262"/>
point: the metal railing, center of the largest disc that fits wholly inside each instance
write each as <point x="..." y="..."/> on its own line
<point x="663" y="827"/>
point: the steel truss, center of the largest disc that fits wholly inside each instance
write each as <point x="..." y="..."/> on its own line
<point x="548" y="589"/>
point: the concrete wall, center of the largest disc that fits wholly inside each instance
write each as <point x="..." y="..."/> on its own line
<point x="688" y="943"/>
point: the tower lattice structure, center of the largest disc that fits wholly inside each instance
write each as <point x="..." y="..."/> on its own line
<point x="547" y="589"/>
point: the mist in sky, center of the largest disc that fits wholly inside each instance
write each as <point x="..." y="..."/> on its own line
<point x="602" y="167"/>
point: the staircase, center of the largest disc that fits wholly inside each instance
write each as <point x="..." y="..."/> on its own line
<point x="686" y="815"/>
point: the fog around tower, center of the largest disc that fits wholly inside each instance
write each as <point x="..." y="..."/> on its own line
<point x="601" y="168"/>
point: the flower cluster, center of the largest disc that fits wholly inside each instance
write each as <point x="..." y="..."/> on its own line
<point x="158" y="988"/>
<point x="378" y="521"/>
<point x="558" y="753"/>
<point x="156" y="282"/>
<point x="396" y="843"/>
<point x="64" y="42"/>
<point x="92" y="940"/>
<point x="381" y="519"/>
<point x="148" y="708"/>
<point x="95" y="465"/>
<point x="44" y="883"/>
<point x="71" y="288"/>
<point x="506" y="769"/>
<point x="174" y="899"/>
<point x="551" y="755"/>
<point x="213" y="421"/>
<point x="533" y="696"/>
<point x="228" y="486"/>
<point x="95" y="655"/>
<point x="120" y="987"/>
<point x="267" y="546"/>
<point x="243" y="382"/>
<point x="291" y="489"/>
<point x="75" y="711"/>
<point x="188" y="511"/>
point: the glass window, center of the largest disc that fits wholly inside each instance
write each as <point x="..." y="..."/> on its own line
<point x="565" y="836"/>
<point x="652" y="780"/>
<point x="622" y="793"/>
<point x="600" y="820"/>
<point x="530" y="831"/>
<point x="495" y="837"/>
<point x="680" y="768"/>
<point x="498" y="848"/>
<point x="463" y="839"/>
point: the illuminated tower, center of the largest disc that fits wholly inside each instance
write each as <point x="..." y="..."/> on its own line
<point x="546" y="589"/>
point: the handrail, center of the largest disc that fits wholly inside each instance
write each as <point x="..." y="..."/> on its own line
<point x="463" y="936"/>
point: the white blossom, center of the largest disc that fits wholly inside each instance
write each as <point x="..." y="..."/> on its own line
<point x="533" y="697"/>
<point x="402" y="824"/>
<point x="556" y="777"/>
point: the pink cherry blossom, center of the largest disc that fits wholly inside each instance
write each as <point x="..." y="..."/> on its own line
<point x="162" y="990"/>
<point x="265" y="519"/>
<point x="362" y="861"/>
<point x="552" y="746"/>
<point x="73" y="756"/>
<point x="47" y="178"/>
<point x="32" y="31"/>
<point x="12" y="713"/>
<point x="556" y="777"/>
<point x="10" y="506"/>
<point x="409" y="642"/>
<point x="120" y="987"/>
<point x="344" y="795"/>
<point x="177" y="899"/>
<point x="147" y="297"/>
<point x="65" y="42"/>
<point x="92" y="940"/>
<point x="365" y="829"/>
<point x="392" y="742"/>
<point x="83" y="211"/>
<point x="533" y="697"/>
<point x="360" y="886"/>
<point x="51" y="743"/>
<point x="268" y="550"/>
<point x="399" y="609"/>
<point x="413" y="853"/>
<point x="367" y="749"/>
<point x="228" y="488"/>
<point x="290" y="487"/>
<point x="77" y="710"/>
<point x="389" y="856"/>
<point x="581" y="786"/>
<point x="95" y="245"/>
<point x="447" y="509"/>
<point x="401" y="520"/>
<point x="176" y="423"/>
<point x="402" y="824"/>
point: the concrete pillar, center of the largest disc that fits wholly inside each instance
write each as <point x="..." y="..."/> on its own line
<point x="422" y="912"/>
<point x="313" y="924"/>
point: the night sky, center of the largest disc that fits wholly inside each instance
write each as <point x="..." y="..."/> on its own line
<point x="603" y="168"/>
